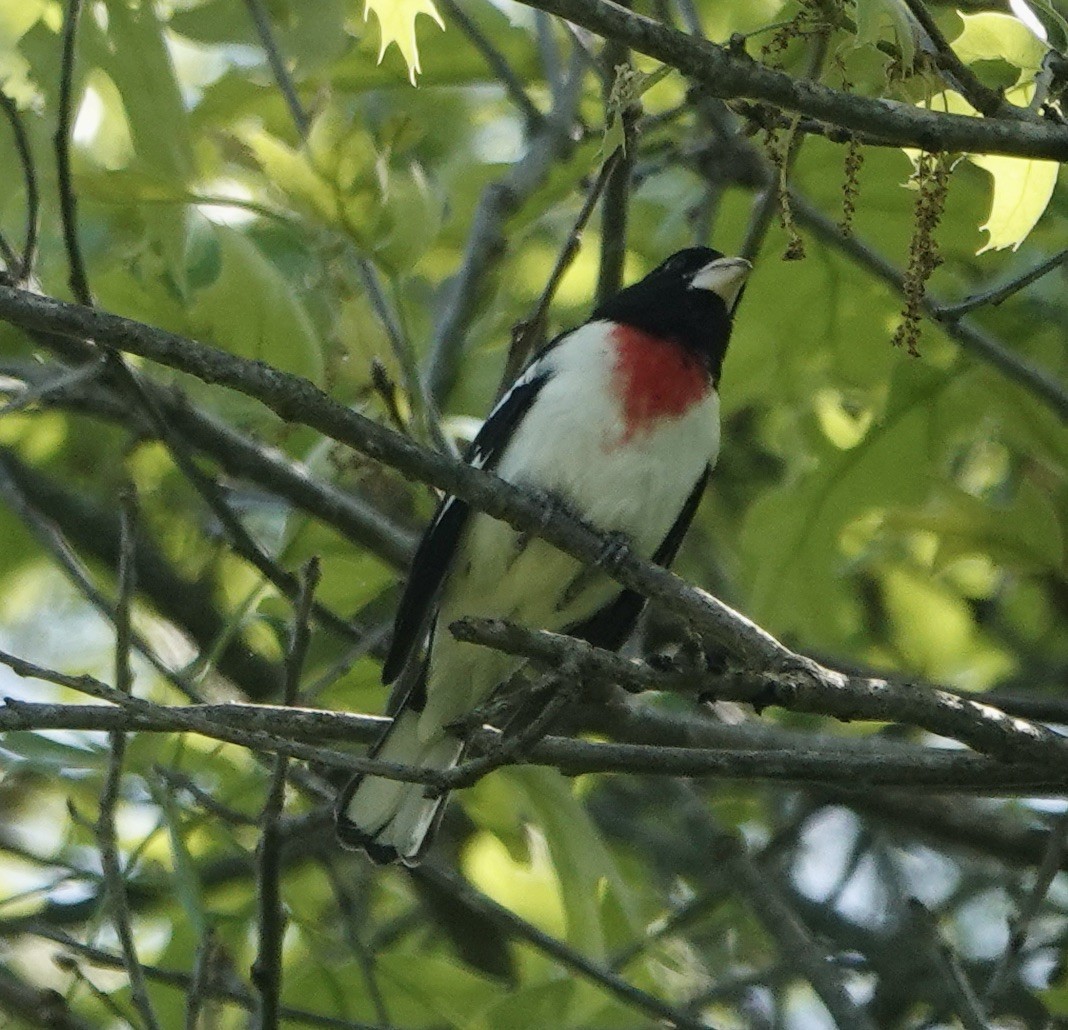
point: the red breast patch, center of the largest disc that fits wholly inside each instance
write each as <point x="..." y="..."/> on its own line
<point x="654" y="379"/>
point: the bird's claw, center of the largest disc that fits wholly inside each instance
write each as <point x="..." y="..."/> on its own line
<point x="614" y="548"/>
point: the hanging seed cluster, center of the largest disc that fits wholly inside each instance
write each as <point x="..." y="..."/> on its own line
<point x="777" y="146"/>
<point x="809" y="19"/>
<point x="854" y="159"/>
<point x="932" y="179"/>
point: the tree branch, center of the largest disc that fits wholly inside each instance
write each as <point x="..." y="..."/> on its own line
<point x="726" y="75"/>
<point x="988" y="102"/>
<point x="68" y="204"/>
<point x="267" y="967"/>
<point x="111" y="863"/>
<point x="803" y="683"/>
<point x="486" y="242"/>
<point x="513" y="87"/>
<point x="981" y="726"/>
<point x="995" y="295"/>
<point x="1042" y="384"/>
<point x="29" y="178"/>
<point x="283" y="731"/>
<point x="183" y="982"/>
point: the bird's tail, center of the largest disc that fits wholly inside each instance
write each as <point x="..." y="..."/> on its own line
<point x="389" y="819"/>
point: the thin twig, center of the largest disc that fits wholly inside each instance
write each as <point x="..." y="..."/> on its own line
<point x="997" y="294"/>
<point x="772" y="909"/>
<point x="351" y="922"/>
<point x="37" y="1006"/>
<point x="965" y="1001"/>
<point x="28" y="257"/>
<point x="616" y="203"/>
<point x="565" y="686"/>
<point x="486" y="243"/>
<point x="68" y="202"/>
<point x="261" y="19"/>
<point x="69" y="965"/>
<point x="110" y="861"/>
<point x="240" y="538"/>
<point x="529" y="335"/>
<point x="987" y="101"/>
<point x="203" y="973"/>
<point x="419" y="397"/>
<point x="178" y="780"/>
<point x="68" y="379"/>
<point x="52" y="540"/>
<point x="1021" y="925"/>
<point x="267" y="967"/>
<point x="513" y="87"/>
<point x="182" y="981"/>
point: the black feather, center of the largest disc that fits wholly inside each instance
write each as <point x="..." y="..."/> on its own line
<point x="610" y="625"/>
<point x="438" y="545"/>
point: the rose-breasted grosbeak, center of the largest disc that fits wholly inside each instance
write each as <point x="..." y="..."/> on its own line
<point x="619" y="420"/>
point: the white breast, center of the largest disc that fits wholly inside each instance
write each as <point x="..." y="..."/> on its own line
<point x="569" y="444"/>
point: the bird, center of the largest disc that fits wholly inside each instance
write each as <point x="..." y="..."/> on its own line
<point x="617" y="421"/>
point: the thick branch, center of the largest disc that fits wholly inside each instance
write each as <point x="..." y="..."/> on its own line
<point x="726" y="75"/>
<point x="284" y="731"/>
<point x="981" y="726"/>
<point x="803" y="682"/>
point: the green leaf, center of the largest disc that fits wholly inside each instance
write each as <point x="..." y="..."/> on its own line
<point x="409" y="221"/>
<point x="1055" y="24"/>
<point x="135" y="56"/>
<point x="309" y="35"/>
<point x="1025" y="534"/>
<point x="1022" y="188"/>
<point x="251" y="310"/>
<point x="396" y="24"/>
<point x="291" y="171"/>
<point x="16" y="19"/>
<point x="542" y="1004"/>
<point x="876" y="17"/>
<point x="186" y="881"/>
<point x="580" y="858"/>
<point x="990" y="36"/>
<point x="49" y="756"/>
<point x="792" y="535"/>
<point x="444" y="989"/>
<point x="933" y="632"/>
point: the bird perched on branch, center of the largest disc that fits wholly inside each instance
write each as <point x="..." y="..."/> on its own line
<point x="618" y="421"/>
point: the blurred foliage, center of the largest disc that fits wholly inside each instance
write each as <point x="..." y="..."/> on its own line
<point x="902" y="513"/>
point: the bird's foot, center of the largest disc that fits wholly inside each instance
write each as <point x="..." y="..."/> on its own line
<point x="615" y="547"/>
<point x="550" y="507"/>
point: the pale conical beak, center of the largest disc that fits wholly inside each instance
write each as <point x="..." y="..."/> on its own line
<point x="725" y="277"/>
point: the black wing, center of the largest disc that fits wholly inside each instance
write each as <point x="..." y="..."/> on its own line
<point x="610" y="626"/>
<point x="435" y="551"/>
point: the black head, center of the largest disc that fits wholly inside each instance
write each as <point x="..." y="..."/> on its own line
<point x="690" y="297"/>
